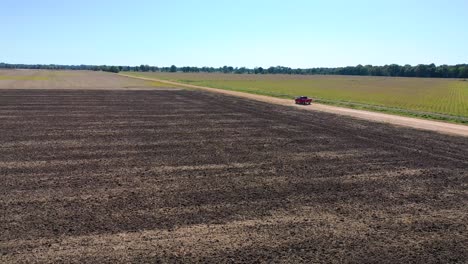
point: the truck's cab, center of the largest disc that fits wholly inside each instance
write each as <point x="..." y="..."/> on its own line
<point x="304" y="100"/>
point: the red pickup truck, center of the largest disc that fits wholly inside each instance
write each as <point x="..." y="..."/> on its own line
<point x="303" y="100"/>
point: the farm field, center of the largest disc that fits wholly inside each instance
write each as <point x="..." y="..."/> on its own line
<point x="48" y="79"/>
<point x="442" y="99"/>
<point x="172" y="175"/>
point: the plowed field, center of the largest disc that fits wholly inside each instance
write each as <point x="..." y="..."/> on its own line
<point x="189" y="176"/>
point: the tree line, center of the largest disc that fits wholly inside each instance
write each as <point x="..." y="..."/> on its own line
<point x="393" y="70"/>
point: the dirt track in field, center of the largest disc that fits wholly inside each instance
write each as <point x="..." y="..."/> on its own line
<point x="441" y="127"/>
<point x="187" y="176"/>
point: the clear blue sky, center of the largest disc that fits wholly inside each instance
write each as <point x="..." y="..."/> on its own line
<point x="295" y="33"/>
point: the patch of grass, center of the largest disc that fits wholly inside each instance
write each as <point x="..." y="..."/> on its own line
<point x="397" y="111"/>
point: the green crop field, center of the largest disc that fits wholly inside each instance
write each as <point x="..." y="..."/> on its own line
<point x="443" y="99"/>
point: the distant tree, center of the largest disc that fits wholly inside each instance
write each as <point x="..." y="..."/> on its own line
<point x="394" y="70"/>
<point x="225" y="69"/>
<point x="360" y="70"/>
<point x="271" y="70"/>
<point x="241" y="70"/>
<point x="258" y="70"/>
<point x="114" y="69"/>
<point x="421" y="70"/>
<point x="144" y="68"/>
<point x="408" y="71"/>
<point x="463" y="72"/>
<point x="431" y="70"/>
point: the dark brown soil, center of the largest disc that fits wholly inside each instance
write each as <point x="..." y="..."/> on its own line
<point x="188" y="176"/>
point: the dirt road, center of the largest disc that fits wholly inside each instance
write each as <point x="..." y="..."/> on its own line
<point x="441" y="127"/>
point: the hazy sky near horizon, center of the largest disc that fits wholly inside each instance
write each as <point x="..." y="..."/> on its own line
<point x="294" y="33"/>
